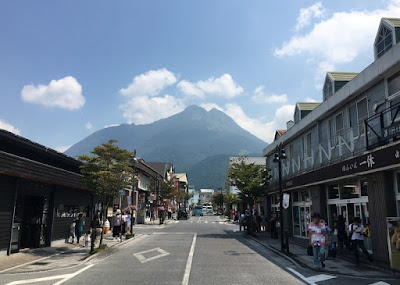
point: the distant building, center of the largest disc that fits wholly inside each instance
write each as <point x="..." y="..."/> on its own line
<point x="205" y="196"/>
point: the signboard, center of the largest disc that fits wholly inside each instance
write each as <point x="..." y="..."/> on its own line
<point x="286" y="198"/>
<point x="129" y="200"/>
<point x="393" y="231"/>
<point x="109" y="212"/>
<point x="116" y="206"/>
<point x="391" y="131"/>
<point x="122" y="192"/>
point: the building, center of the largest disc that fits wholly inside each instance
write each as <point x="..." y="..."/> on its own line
<point x="343" y="157"/>
<point x="205" y="196"/>
<point x="41" y="193"/>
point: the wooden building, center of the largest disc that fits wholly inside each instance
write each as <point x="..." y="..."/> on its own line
<point x="41" y="193"/>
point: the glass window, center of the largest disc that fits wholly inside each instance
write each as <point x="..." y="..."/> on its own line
<point x="393" y="84"/>
<point x="328" y="90"/>
<point x="398" y="182"/>
<point x="364" y="188"/>
<point x="333" y="192"/>
<point x="349" y="191"/>
<point x="362" y="112"/>
<point x="295" y="196"/>
<point x="332" y="132"/>
<point x="395" y="108"/>
<point x="307" y="144"/>
<point x="353" y="120"/>
<point x="384" y="42"/>
<point x="305" y="196"/>
<point x="339" y="122"/>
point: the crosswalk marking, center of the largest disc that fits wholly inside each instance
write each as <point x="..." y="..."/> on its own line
<point x="176" y="222"/>
<point x="379" y="283"/>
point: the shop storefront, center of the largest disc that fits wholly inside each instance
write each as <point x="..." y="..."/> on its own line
<point x="302" y="212"/>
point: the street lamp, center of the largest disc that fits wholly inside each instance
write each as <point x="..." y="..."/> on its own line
<point x="279" y="155"/>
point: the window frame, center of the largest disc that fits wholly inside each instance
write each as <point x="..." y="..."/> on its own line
<point x="386" y="47"/>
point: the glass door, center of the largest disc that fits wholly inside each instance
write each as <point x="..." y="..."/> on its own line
<point x="305" y="219"/>
<point x="296" y="220"/>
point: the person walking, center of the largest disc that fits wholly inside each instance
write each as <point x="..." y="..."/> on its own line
<point x="357" y="232"/>
<point x="80" y="222"/>
<point x="318" y="240"/>
<point x="117" y="222"/>
<point x="263" y="221"/>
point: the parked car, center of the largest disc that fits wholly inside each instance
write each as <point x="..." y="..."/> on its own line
<point x="183" y="214"/>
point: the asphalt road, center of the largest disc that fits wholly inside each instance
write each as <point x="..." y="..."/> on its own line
<point x="201" y="250"/>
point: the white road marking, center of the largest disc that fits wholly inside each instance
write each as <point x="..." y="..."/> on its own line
<point x="186" y="276"/>
<point x="379" y="283"/>
<point x="312" y="279"/>
<point x="143" y="259"/>
<point x="191" y="221"/>
<point x="64" y="277"/>
<point x="205" y="222"/>
<point x="176" y="222"/>
<point x="199" y="220"/>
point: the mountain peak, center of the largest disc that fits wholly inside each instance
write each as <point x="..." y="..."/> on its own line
<point x="194" y="108"/>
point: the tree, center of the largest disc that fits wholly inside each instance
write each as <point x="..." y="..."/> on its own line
<point x="230" y="199"/>
<point x="107" y="172"/>
<point x="218" y="199"/>
<point x="167" y="189"/>
<point x="183" y="197"/>
<point x="250" y="179"/>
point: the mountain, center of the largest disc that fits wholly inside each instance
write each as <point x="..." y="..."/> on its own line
<point x="190" y="140"/>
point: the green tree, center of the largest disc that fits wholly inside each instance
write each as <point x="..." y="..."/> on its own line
<point x="217" y="199"/>
<point x="107" y="172"/>
<point x="167" y="189"/>
<point x="250" y="179"/>
<point x="183" y="197"/>
<point x="230" y="199"/>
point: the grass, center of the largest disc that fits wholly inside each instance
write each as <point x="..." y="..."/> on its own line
<point x="222" y="217"/>
<point x="100" y="249"/>
<point x="128" y="236"/>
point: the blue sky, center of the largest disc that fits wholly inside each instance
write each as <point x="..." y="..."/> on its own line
<point x="69" y="68"/>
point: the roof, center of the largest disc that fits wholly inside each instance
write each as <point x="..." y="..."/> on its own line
<point x="307" y="106"/>
<point x="248" y="160"/>
<point x="182" y="177"/>
<point x="395" y="22"/>
<point x="161" y="167"/>
<point x="342" y="76"/>
<point x="281" y="132"/>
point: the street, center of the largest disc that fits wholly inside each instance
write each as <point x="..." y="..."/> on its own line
<point x="201" y="250"/>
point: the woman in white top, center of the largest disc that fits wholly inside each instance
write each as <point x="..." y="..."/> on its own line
<point x="357" y="232"/>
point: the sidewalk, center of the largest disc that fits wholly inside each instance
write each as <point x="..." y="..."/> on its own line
<point x="64" y="255"/>
<point x="343" y="264"/>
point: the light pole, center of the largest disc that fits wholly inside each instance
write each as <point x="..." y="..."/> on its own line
<point x="279" y="155"/>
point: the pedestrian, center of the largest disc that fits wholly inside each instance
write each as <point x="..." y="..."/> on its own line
<point x="96" y="227"/>
<point x="317" y="239"/>
<point x="80" y="222"/>
<point x="72" y="232"/>
<point x="272" y="225"/>
<point x="117" y="221"/>
<point x="124" y="218"/>
<point x="242" y="221"/>
<point x="263" y="221"/>
<point x="169" y="214"/>
<point x="153" y="217"/>
<point x="127" y="221"/>
<point x="357" y="232"/>
<point x="341" y="232"/>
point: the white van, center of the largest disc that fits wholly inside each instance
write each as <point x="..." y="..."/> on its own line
<point x="210" y="210"/>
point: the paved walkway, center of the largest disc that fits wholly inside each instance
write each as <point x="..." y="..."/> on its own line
<point x="343" y="264"/>
<point x="50" y="258"/>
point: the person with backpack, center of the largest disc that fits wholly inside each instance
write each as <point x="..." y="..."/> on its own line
<point x="117" y="222"/>
<point x="357" y="232"/>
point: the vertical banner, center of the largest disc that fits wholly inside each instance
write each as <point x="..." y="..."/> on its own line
<point x="286" y="198"/>
<point x="393" y="230"/>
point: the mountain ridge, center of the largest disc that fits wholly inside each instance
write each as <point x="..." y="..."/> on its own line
<point x="185" y="139"/>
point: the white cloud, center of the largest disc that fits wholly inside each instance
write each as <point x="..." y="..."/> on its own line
<point x="64" y="93"/>
<point x="223" y="86"/>
<point x="150" y="83"/>
<point x="111" y="125"/>
<point x="262" y="130"/>
<point x="306" y="14"/>
<point x="339" y="38"/>
<point x="309" y="99"/>
<point x="145" y="110"/>
<point x="209" y="106"/>
<point x="8" y="127"/>
<point x="62" y="148"/>
<point x="261" y="97"/>
<point x="89" y="126"/>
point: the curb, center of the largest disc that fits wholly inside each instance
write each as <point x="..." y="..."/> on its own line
<point x="303" y="265"/>
<point x="83" y="261"/>
<point x="276" y="251"/>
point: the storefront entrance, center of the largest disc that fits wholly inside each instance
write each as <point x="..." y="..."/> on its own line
<point x="30" y="227"/>
<point x="302" y="210"/>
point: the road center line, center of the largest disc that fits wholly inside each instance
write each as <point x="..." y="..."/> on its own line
<point x="185" y="280"/>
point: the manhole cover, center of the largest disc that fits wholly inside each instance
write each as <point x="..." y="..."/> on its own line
<point x="40" y="263"/>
